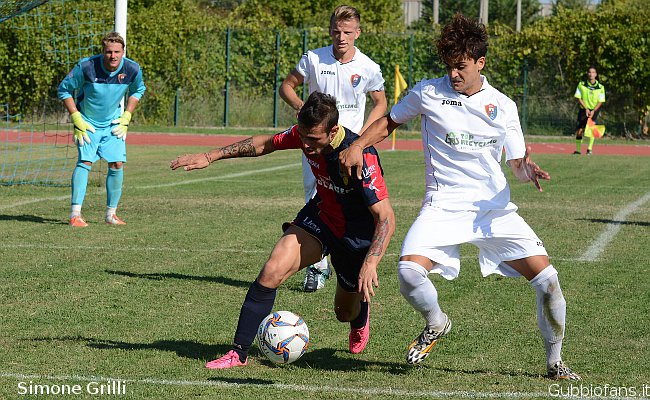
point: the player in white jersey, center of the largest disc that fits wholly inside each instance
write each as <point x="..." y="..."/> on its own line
<point x="342" y="71"/>
<point x="466" y="124"/>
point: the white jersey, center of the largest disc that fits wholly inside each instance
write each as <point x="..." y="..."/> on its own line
<point x="463" y="139"/>
<point x="348" y="82"/>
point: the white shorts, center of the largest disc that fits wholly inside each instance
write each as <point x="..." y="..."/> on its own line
<point x="308" y="179"/>
<point x="501" y="235"/>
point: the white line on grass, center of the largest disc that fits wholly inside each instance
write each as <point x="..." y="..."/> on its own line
<point x="284" y="386"/>
<point x="217" y="178"/>
<point x="162" y="185"/>
<point x="31" y="201"/>
<point x="597" y="247"/>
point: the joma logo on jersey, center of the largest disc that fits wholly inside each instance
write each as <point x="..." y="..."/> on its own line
<point x="447" y="102"/>
<point x="328" y="73"/>
<point x="313" y="163"/>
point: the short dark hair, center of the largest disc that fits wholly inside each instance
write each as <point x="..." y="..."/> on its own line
<point x="112" y="37"/>
<point x="345" y="13"/>
<point x="462" y="38"/>
<point x="319" y="108"/>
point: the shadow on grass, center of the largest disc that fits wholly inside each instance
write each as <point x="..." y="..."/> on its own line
<point x="611" y="221"/>
<point x="242" y="381"/>
<point x="172" y="275"/>
<point x="32" y="218"/>
<point x="182" y="348"/>
<point x="328" y="360"/>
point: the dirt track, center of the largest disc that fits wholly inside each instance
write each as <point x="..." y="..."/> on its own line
<point x="537" y="148"/>
<point x="162" y="139"/>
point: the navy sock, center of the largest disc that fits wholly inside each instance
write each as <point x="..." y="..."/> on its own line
<point x="257" y="305"/>
<point x="360" y="320"/>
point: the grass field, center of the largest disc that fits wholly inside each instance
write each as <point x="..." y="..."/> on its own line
<point x="149" y="303"/>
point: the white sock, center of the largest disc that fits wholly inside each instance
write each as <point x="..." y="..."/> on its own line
<point x="75" y="210"/>
<point x="110" y="211"/>
<point x="418" y="290"/>
<point x="322" y="264"/>
<point x="551" y="312"/>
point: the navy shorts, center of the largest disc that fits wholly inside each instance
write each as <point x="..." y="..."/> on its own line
<point x="346" y="257"/>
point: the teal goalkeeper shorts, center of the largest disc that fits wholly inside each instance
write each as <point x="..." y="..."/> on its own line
<point x="103" y="144"/>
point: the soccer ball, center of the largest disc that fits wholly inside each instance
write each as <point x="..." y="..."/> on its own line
<point x="283" y="336"/>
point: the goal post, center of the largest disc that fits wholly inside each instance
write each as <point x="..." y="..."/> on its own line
<point x="36" y="145"/>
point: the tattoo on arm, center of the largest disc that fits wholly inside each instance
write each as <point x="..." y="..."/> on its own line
<point x="243" y="148"/>
<point x="378" y="239"/>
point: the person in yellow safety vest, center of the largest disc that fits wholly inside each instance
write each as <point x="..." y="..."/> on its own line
<point x="591" y="95"/>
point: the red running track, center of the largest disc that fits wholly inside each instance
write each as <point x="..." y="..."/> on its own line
<point x="162" y="139"/>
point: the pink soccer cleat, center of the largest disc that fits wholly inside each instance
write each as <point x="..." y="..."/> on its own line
<point x="359" y="337"/>
<point x="231" y="359"/>
<point x="78" y="222"/>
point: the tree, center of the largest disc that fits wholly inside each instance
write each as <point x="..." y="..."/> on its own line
<point x="614" y="38"/>
<point x="500" y="11"/>
<point x="376" y="15"/>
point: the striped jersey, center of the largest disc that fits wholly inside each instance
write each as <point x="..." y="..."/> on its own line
<point x="342" y="202"/>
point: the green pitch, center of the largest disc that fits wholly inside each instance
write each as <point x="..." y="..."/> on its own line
<point x="149" y="303"/>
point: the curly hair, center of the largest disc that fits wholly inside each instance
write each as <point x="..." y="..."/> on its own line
<point x="462" y="38"/>
<point x="319" y="108"/>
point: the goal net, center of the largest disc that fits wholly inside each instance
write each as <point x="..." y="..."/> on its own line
<point x="35" y="133"/>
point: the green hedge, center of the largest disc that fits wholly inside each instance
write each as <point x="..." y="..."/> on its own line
<point x="182" y="49"/>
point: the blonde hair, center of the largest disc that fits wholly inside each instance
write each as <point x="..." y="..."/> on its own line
<point x="112" y="37"/>
<point x="345" y="13"/>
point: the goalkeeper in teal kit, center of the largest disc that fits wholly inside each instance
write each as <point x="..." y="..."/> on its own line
<point x="100" y="83"/>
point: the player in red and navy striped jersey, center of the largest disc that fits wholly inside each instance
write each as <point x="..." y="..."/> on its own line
<point x="350" y="219"/>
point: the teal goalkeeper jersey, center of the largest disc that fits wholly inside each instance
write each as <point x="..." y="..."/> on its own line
<point x="99" y="92"/>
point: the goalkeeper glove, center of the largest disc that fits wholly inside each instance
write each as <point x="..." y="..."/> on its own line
<point x="122" y="125"/>
<point x="80" y="128"/>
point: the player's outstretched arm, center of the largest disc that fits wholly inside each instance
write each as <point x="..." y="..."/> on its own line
<point x="352" y="157"/>
<point x="526" y="170"/>
<point x="384" y="228"/>
<point x="252" y="147"/>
